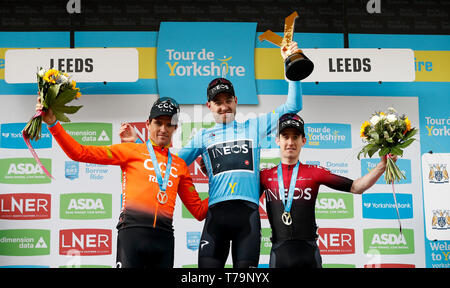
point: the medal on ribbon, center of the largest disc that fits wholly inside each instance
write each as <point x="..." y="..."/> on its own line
<point x="162" y="196"/>
<point x="286" y="216"/>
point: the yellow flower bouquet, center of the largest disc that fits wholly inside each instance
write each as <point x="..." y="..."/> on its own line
<point x="388" y="134"/>
<point x="56" y="89"/>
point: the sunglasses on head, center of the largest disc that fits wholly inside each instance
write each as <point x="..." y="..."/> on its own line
<point x="219" y="81"/>
<point x="290" y="117"/>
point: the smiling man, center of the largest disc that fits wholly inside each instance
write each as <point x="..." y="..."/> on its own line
<point x="151" y="179"/>
<point x="291" y="190"/>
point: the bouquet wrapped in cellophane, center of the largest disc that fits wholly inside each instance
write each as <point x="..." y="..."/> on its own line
<point x="56" y="89"/>
<point x="388" y="134"/>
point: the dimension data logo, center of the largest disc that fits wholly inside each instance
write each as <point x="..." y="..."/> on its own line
<point x="328" y="136"/>
<point x="98" y="134"/>
<point x="382" y="206"/>
<point x="334" y="206"/>
<point x="24" y="242"/>
<point x="25" y="206"/>
<point x="198" y="54"/>
<point x="85" y="206"/>
<point x="403" y="164"/>
<point x="389" y="241"/>
<point x="11" y="137"/>
<point x="24" y="171"/>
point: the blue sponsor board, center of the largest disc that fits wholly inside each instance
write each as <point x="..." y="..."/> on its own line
<point x="11" y="137"/>
<point x="382" y="206"/>
<point x="193" y="240"/>
<point x="72" y="170"/>
<point x="202" y="51"/>
<point x="403" y="164"/>
<point x="328" y="136"/>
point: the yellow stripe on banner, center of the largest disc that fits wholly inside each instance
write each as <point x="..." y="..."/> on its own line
<point x="432" y="66"/>
<point x="2" y="62"/>
<point x="147" y="61"/>
<point x="269" y="64"/>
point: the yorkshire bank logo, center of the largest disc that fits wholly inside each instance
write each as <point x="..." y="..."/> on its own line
<point x="87" y="242"/>
<point x="25" y="206"/>
<point x="336" y="241"/>
<point x="328" y="136"/>
<point x="11" y="137"/>
<point x="199" y="53"/>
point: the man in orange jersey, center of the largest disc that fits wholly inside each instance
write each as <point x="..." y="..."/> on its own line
<point x="152" y="177"/>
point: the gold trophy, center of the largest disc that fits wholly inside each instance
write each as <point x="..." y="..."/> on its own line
<point x="297" y="65"/>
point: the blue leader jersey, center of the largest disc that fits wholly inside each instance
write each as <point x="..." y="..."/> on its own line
<point x="231" y="151"/>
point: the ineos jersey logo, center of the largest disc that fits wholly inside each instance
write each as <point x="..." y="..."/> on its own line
<point x="232" y="155"/>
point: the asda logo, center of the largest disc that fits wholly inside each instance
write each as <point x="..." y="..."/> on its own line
<point x="98" y="134"/>
<point x="389" y="240"/>
<point x="24" y="171"/>
<point x="334" y="206"/>
<point x="25" y="206"/>
<point x="328" y="136"/>
<point x="24" y="242"/>
<point x="87" y="242"/>
<point x="85" y="206"/>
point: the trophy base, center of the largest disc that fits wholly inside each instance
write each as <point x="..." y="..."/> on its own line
<point x="298" y="67"/>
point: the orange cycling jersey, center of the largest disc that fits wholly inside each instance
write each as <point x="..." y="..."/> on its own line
<point x="140" y="206"/>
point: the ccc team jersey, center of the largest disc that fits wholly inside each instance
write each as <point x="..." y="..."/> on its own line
<point x="139" y="185"/>
<point x="231" y="151"/>
<point x="309" y="178"/>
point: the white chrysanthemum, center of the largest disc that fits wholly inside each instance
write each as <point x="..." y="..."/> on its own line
<point x="41" y="73"/>
<point x="391" y="118"/>
<point x="374" y="120"/>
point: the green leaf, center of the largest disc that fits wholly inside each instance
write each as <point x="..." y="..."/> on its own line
<point x="65" y="97"/>
<point x="66" y="109"/>
<point x="396" y="151"/>
<point x="384" y="151"/>
<point x="406" y="143"/>
<point x="410" y="133"/>
<point x="61" y="117"/>
<point x="51" y="95"/>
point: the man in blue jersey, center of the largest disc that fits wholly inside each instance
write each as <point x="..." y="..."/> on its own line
<point x="231" y="152"/>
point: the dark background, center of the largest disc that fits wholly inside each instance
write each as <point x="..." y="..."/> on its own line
<point x="318" y="16"/>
